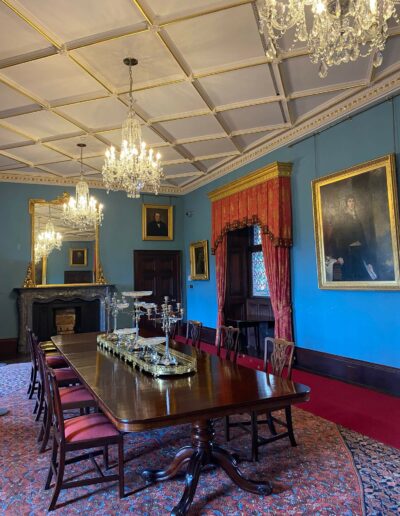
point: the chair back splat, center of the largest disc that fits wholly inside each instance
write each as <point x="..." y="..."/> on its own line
<point x="278" y="355"/>
<point x="228" y="339"/>
<point x="193" y="333"/>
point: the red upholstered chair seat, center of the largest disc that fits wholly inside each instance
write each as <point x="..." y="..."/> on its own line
<point x="56" y="361"/>
<point x="76" y="396"/>
<point x="90" y="426"/>
<point x="65" y="375"/>
<point x="180" y="338"/>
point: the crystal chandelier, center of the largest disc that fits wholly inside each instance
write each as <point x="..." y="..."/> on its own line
<point x="82" y="212"/>
<point x="335" y="31"/>
<point x="136" y="167"/>
<point x="47" y="240"/>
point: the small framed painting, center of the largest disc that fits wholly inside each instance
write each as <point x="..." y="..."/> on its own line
<point x="356" y="225"/>
<point x="199" y="260"/>
<point x="78" y="257"/>
<point x="157" y="222"/>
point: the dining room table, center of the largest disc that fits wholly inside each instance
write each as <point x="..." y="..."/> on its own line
<point x="136" y="401"/>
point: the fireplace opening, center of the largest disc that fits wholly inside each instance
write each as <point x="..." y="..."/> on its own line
<point x="65" y="319"/>
<point x="60" y="317"/>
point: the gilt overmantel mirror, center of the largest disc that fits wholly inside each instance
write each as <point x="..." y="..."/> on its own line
<point x="76" y="262"/>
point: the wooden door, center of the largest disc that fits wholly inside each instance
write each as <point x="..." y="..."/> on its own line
<point x="237" y="273"/>
<point x="160" y="272"/>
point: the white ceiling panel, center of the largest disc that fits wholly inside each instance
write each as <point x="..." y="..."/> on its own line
<point x="66" y="168"/>
<point x="254" y="116"/>
<point x="7" y="163"/>
<point x="303" y="105"/>
<point x="170" y="9"/>
<point x="155" y="62"/>
<point x="97" y="114"/>
<point x="193" y="127"/>
<point x="42" y="124"/>
<point x="218" y="39"/>
<point x="170" y="100"/>
<point x="82" y="19"/>
<point x="245" y="140"/>
<point x="210" y="147"/>
<point x="227" y="88"/>
<point x="300" y="74"/>
<point x="390" y="56"/>
<point x="70" y="146"/>
<point x="208" y="164"/>
<point x="53" y="78"/>
<point x="170" y="154"/>
<point x="36" y="154"/>
<point x="10" y="138"/>
<point x="16" y="36"/>
<point x="97" y="163"/>
<point x="12" y="100"/>
<point x="180" y="168"/>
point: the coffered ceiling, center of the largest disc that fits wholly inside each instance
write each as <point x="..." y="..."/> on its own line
<point x="207" y="96"/>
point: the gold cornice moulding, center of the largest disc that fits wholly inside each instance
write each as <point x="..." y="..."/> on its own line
<point x="276" y="169"/>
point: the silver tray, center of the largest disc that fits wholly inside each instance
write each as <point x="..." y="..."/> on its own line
<point x="186" y="364"/>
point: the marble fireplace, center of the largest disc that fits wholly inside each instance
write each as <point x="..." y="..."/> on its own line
<point x="39" y="308"/>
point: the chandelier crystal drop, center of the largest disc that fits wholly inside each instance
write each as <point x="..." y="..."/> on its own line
<point x="136" y="167"/>
<point x="335" y="31"/>
<point x="82" y="211"/>
<point x="47" y="241"/>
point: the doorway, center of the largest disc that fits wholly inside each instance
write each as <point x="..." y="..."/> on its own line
<point x="160" y="272"/>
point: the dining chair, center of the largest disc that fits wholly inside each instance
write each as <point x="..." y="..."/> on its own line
<point x="32" y="343"/>
<point x="72" y="397"/>
<point x="227" y="342"/>
<point x="193" y="333"/>
<point x="278" y="360"/>
<point x="85" y="432"/>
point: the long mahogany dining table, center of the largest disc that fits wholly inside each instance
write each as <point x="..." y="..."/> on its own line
<point x="136" y="401"/>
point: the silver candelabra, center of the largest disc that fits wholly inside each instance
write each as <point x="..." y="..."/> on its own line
<point x="168" y="316"/>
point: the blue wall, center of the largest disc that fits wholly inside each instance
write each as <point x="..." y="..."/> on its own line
<point x="58" y="260"/>
<point x="120" y="235"/>
<point x="364" y="325"/>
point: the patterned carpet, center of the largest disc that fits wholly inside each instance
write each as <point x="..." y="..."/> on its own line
<point x="332" y="471"/>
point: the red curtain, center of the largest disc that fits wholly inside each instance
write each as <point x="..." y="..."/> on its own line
<point x="220" y="268"/>
<point x="269" y="205"/>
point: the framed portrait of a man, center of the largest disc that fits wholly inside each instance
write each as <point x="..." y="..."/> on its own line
<point x="199" y="260"/>
<point x="356" y="223"/>
<point x="78" y="257"/>
<point x="157" y="222"/>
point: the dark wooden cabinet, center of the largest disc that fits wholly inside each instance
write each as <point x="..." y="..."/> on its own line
<point x="160" y="272"/>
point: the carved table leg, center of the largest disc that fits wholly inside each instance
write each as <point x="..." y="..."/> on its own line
<point x="183" y="456"/>
<point x="203" y="451"/>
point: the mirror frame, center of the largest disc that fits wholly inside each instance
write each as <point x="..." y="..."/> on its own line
<point x="30" y="279"/>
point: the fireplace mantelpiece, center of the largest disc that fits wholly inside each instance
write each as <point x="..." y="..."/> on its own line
<point x="28" y="296"/>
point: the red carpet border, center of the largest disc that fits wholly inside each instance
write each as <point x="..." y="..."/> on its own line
<point x="321" y="476"/>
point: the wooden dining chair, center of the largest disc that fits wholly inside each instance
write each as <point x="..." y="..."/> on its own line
<point x="72" y="397"/>
<point x="193" y="333"/>
<point x="89" y="431"/>
<point x="278" y="360"/>
<point x="227" y="342"/>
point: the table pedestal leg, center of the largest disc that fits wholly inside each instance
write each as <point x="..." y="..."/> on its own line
<point x="203" y="451"/>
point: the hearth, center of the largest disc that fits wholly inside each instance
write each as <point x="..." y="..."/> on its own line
<point x="38" y="308"/>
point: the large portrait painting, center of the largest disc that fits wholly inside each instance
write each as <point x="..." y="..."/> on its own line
<point x="356" y="227"/>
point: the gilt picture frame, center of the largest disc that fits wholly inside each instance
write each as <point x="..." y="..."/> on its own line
<point x="356" y="225"/>
<point x="199" y="269"/>
<point x="78" y="257"/>
<point x="157" y="222"/>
